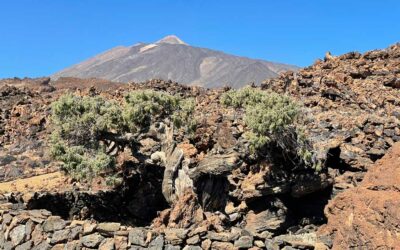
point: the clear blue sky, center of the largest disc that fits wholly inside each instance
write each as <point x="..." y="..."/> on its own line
<point x="41" y="37"/>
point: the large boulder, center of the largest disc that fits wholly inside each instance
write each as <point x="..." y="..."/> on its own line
<point x="367" y="217"/>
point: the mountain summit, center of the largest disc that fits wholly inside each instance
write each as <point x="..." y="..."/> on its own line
<point x="171" y="58"/>
<point x="171" y="39"/>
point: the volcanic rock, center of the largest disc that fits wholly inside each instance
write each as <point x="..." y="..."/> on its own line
<point x="367" y="216"/>
<point x="353" y="100"/>
<point x="92" y="240"/>
<point x="53" y="223"/>
<point x="17" y="235"/>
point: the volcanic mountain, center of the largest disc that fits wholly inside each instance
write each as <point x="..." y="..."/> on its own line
<point x="172" y="59"/>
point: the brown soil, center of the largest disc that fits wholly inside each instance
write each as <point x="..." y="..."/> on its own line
<point x="45" y="182"/>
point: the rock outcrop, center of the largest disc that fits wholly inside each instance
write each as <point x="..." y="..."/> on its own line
<point x="354" y="100"/>
<point x="367" y="217"/>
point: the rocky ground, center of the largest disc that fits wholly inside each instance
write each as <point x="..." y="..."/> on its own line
<point x="219" y="197"/>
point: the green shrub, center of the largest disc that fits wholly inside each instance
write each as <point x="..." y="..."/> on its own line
<point x="81" y="163"/>
<point x="84" y="126"/>
<point x="274" y="120"/>
<point x="80" y="120"/>
<point x="243" y="97"/>
<point x="183" y="116"/>
<point x="144" y="107"/>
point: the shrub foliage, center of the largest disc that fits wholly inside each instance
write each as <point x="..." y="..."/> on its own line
<point x="83" y="127"/>
<point x="274" y="121"/>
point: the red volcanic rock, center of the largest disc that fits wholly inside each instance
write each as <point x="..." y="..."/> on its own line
<point x="368" y="216"/>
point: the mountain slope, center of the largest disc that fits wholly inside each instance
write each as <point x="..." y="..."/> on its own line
<point x="171" y="58"/>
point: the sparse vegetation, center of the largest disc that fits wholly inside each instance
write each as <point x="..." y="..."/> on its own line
<point x="85" y="127"/>
<point x="274" y="121"/>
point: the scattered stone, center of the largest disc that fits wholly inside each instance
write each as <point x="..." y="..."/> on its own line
<point x="88" y="227"/>
<point x="77" y="223"/>
<point x="61" y="236"/>
<point x="58" y="247"/>
<point x="7" y="219"/>
<point x="223" y="236"/>
<point x="189" y="247"/>
<point x="175" y="236"/>
<point x="75" y="232"/>
<point x="265" y="235"/>
<point x="17" y="235"/>
<point x="54" y="223"/>
<point x="201" y="231"/>
<point x="222" y="246"/>
<point x="234" y="217"/>
<point x="107" y="244"/>
<point x="306" y="240"/>
<point x="25" y="246"/>
<point x="108" y="228"/>
<point x="7" y="245"/>
<point x="72" y="245"/>
<point x="272" y="245"/>
<point x="123" y="232"/>
<point x="244" y="242"/>
<point x="172" y="247"/>
<point x="121" y="242"/>
<point x="38" y="235"/>
<point x="92" y="240"/>
<point x="42" y="246"/>
<point x="137" y="236"/>
<point x="265" y="220"/>
<point x="157" y="243"/>
<point x="193" y="240"/>
<point x="37" y="220"/>
<point x="28" y="229"/>
<point x="206" y="244"/>
<point x="259" y="243"/>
